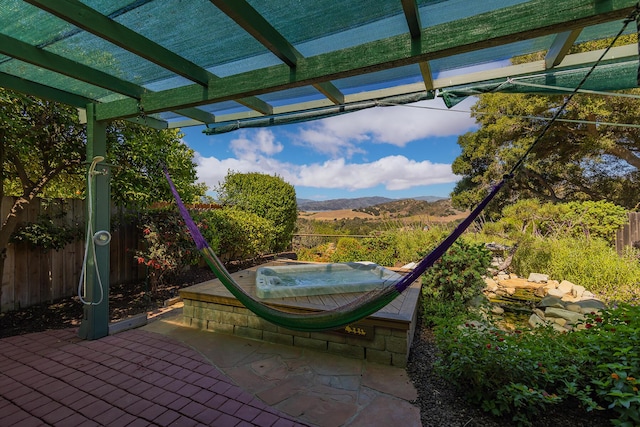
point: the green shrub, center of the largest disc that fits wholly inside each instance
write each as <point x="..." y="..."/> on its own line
<point x="592" y="263"/>
<point x="529" y="217"/>
<point x="457" y="275"/>
<point x="388" y="248"/>
<point x="48" y="232"/>
<point x="520" y="373"/>
<point x="237" y="234"/>
<point x="269" y="197"/>
<point x="168" y="247"/>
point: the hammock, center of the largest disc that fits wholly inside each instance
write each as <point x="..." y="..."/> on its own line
<point x="372" y="301"/>
<point x="354" y="311"/>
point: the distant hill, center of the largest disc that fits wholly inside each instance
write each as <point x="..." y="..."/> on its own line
<point x="411" y="207"/>
<point x="337" y="204"/>
<point x="355" y="203"/>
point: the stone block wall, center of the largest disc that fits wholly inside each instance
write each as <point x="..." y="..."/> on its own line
<point x="387" y="346"/>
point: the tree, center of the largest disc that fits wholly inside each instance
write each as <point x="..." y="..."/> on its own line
<point x="267" y="196"/>
<point x="42" y="153"/>
<point x="573" y="161"/>
<point x="139" y="153"/>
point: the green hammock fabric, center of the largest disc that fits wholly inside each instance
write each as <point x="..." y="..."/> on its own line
<point x="373" y="301"/>
<point x="354" y="311"/>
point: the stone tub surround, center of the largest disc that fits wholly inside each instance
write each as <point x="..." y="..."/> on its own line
<point x="563" y="305"/>
<point x="384" y="337"/>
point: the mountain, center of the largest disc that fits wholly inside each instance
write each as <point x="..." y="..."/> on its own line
<point x="355" y="203"/>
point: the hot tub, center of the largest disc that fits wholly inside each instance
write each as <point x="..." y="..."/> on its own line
<point x="321" y="279"/>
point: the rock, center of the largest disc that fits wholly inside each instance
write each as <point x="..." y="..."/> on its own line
<point x="559" y="328"/>
<point x="577" y="291"/>
<point x="518" y="284"/>
<point x="556" y="293"/>
<point x="539" y="312"/>
<point x="510" y="291"/>
<point x="501" y="276"/>
<point x="538" y="278"/>
<point x="566" y="286"/>
<point x="588" y="295"/>
<point x="551" y="284"/>
<point x="496" y="309"/>
<point x="492" y="286"/>
<point x="551" y="301"/>
<point x="593" y="304"/>
<point x="535" y="321"/>
<point x="540" y="292"/>
<point x="574" y="307"/>
<point x="559" y="320"/>
<point x="571" y="316"/>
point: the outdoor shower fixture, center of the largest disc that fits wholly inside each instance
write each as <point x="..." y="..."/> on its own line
<point x="102" y="238"/>
<point x="99" y="238"/>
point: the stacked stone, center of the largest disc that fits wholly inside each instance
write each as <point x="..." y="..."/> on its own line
<point x="563" y="305"/>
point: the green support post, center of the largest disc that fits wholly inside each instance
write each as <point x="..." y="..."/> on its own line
<point x="95" y="320"/>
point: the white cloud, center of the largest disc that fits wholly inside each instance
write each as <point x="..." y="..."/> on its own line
<point x="263" y="142"/>
<point x="396" y="125"/>
<point x="392" y="172"/>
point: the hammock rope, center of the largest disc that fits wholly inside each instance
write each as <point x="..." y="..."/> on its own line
<point x="375" y="300"/>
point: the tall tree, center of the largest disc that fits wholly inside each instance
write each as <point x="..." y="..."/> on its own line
<point x="574" y="161"/>
<point x="42" y="153"/>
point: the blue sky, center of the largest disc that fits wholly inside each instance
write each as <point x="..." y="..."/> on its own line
<point x="395" y="152"/>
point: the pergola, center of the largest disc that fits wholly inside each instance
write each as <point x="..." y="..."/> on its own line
<point x="233" y="63"/>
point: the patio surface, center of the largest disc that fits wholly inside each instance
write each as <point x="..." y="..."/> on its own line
<point x="167" y="374"/>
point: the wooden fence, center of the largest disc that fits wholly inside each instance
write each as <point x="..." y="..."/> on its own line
<point x="629" y="234"/>
<point x="32" y="276"/>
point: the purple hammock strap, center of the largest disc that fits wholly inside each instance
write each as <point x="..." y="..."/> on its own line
<point x="199" y="240"/>
<point x="407" y="279"/>
<point x="435" y="254"/>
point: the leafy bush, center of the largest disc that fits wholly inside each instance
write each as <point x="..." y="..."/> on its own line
<point x="592" y="263"/>
<point x="529" y="217"/>
<point x="269" y="197"/>
<point x="388" y="248"/>
<point x="520" y="373"/>
<point x="457" y="275"/>
<point x="168" y="247"/>
<point x="237" y="234"/>
<point x="48" y="232"/>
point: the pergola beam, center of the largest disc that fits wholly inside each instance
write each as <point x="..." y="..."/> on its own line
<point x="493" y="28"/>
<point x="254" y="23"/>
<point x="96" y="23"/>
<point x="560" y="47"/>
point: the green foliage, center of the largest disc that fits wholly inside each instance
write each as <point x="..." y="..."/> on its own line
<point x="520" y="373"/>
<point x="168" y="248"/>
<point x="529" y="217"/>
<point x="592" y="263"/>
<point x="139" y="153"/>
<point x="574" y="162"/>
<point x="380" y="250"/>
<point x="457" y="275"/>
<point x="269" y="197"/>
<point x="388" y="246"/>
<point x="48" y="232"/>
<point x="237" y="234"/>
<point x="597" y="219"/>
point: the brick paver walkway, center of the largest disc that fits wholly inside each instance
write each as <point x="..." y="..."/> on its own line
<point x="134" y="378"/>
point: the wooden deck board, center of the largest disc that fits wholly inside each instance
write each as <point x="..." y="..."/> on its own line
<point x="400" y="312"/>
